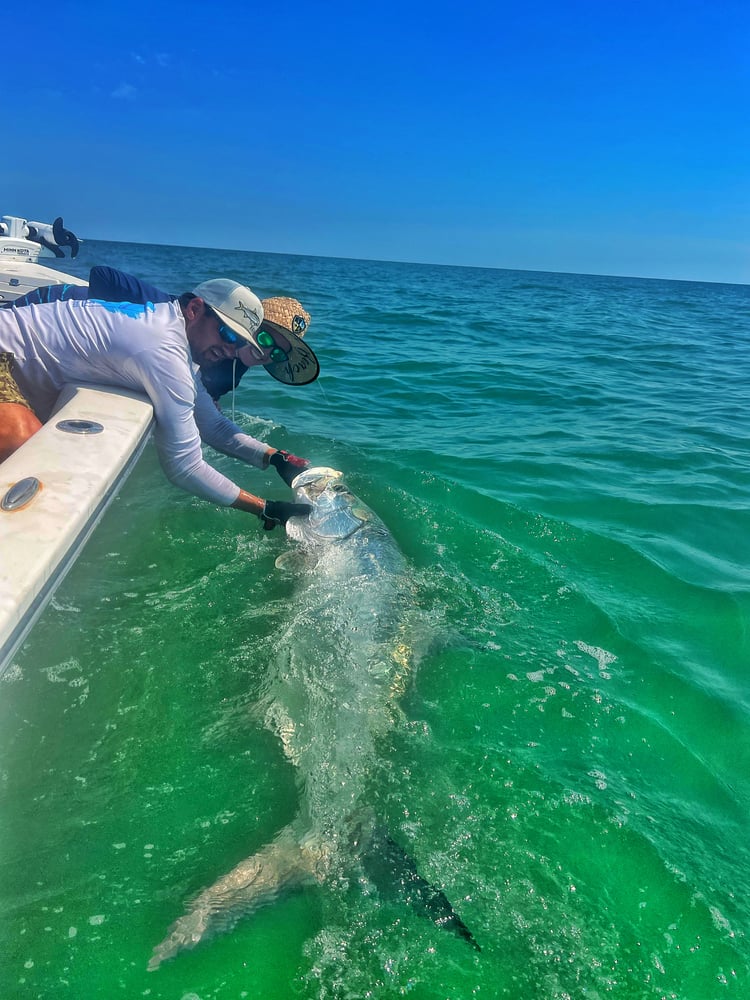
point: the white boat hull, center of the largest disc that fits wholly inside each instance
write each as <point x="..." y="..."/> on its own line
<point x="18" y="276"/>
<point x="79" y="474"/>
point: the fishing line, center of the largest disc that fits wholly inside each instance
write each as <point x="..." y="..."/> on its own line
<point x="234" y="385"/>
<point x="319" y="385"/>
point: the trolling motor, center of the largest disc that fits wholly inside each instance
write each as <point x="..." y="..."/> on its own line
<point x="20" y="233"/>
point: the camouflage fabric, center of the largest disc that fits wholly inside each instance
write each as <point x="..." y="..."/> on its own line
<point x="9" y="391"/>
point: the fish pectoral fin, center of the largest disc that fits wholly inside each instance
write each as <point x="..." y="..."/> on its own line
<point x="394" y="871"/>
<point x="291" y="561"/>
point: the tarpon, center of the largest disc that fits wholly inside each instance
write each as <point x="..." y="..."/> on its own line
<point x="339" y="666"/>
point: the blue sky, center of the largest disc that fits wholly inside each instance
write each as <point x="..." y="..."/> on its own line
<point x="583" y="136"/>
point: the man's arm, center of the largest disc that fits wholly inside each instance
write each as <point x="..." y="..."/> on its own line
<point x="106" y="283"/>
<point x="111" y="285"/>
<point x="164" y="371"/>
<point x="271" y="512"/>
<point x="49" y="293"/>
<point x="220" y="433"/>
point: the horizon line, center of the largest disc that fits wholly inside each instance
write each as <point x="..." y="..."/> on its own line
<point x="420" y="263"/>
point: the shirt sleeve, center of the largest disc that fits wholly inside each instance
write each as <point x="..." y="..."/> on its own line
<point x="166" y="376"/>
<point x="219" y="432"/>
<point x="111" y="285"/>
<point x="51" y="293"/>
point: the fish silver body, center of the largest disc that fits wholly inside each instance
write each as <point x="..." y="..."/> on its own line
<point x="346" y="651"/>
<point x="331" y="693"/>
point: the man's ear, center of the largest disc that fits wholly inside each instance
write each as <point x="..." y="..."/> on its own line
<point x="194" y="309"/>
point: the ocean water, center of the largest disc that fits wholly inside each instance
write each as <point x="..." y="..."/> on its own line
<point x="564" y="462"/>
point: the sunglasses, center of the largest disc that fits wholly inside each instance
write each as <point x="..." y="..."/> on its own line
<point x="228" y="335"/>
<point x="265" y="340"/>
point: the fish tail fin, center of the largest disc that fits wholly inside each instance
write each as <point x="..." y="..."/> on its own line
<point x="392" y="868"/>
<point x="284" y="864"/>
<point x="184" y="933"/>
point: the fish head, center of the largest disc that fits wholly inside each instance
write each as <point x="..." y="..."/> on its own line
<point x="336" y="512"/>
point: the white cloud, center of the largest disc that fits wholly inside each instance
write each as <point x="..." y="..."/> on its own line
<point x="125" y="92"/>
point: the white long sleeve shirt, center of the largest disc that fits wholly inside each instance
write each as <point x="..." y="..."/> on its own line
<point x="139" y="347"/>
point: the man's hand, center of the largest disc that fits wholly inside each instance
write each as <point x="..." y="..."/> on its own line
<point x="279" y="511"/>
<point x="288" y="466"/>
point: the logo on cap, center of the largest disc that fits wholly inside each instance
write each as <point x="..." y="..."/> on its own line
<point x="247" y="312"/>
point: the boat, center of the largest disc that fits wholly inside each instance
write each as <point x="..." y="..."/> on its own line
<point x="22" y="243"/>
<point x="56" y="487"/>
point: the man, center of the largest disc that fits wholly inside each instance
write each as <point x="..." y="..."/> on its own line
<point x="281" y="316"/>
<point x="147" y="346"/>
<point x="286" y="359"/>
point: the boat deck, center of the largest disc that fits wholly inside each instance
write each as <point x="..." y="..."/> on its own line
<point x="19" y="276"/>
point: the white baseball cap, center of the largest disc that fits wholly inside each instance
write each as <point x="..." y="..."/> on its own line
<point x="237" y="306"/>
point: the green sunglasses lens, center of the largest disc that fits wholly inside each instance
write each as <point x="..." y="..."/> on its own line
<point x="265" y="340"/>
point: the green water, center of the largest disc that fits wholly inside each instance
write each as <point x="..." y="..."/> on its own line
<point x="563" y="461"/>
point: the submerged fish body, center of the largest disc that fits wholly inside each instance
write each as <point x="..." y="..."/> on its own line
<point x="340" y="663"/>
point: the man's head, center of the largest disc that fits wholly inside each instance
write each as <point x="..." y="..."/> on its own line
<point x="278" y="346"/>
<point x="220" y="316"/>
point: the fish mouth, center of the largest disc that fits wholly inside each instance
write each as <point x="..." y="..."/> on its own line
<point x="316" y="480"/>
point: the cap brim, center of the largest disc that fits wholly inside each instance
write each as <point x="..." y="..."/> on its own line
<point x="240" y="330"/>
<point x="301" y="366"/>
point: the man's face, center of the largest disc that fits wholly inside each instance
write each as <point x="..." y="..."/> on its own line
<point x="206" y="345"/>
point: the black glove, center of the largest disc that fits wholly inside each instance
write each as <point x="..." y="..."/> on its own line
<point x="279" y="511"/>
<point x="288" y="466"/>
